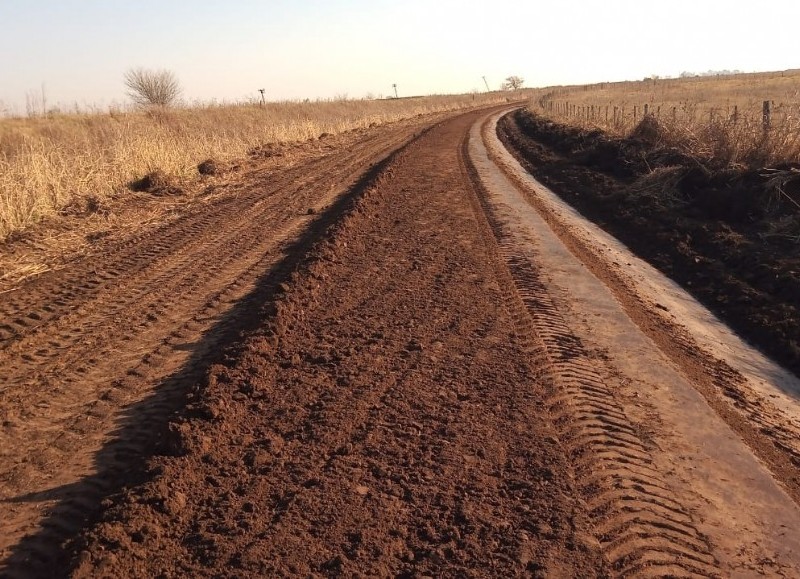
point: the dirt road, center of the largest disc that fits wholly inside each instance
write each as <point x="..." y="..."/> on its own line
<point x="96" y="355"/>
<point x="442" y="371"/>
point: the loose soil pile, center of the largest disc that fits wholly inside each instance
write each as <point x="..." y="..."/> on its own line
<point x="732" y="238"/>
<point x="383" y="421"/>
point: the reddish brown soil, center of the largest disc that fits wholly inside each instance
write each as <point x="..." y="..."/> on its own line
<point x="361" y="362"/>
<point x="97" y="353"/>
<point x="732" y="242"/>
<point x="383" y="421"/>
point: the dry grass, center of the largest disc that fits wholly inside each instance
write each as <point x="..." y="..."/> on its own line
<point x="48" y="163"/>
<point x="717" y="119"/>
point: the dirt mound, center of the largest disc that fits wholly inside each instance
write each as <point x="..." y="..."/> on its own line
<point x="268" y="151"/>
<point x="728" y="236"/>
<point x="123" y="331"/>
<point x="157" y="183"/>
<point x="209" y="167"/>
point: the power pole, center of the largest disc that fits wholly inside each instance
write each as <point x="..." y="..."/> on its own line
<point x="263" y="102"/>
<point x="487" y="84"/>
<point x="394" y="86"/>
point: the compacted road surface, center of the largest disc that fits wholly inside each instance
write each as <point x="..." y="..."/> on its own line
<point x="439" y="371"/>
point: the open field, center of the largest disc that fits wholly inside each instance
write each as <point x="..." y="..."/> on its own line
<point x="47" y="163"/>
<point x="718" y="119"/>
<point x="394" y="352"/>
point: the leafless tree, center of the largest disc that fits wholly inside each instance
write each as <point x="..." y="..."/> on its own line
<point x="152" y="87"/>
<point x="513" y="83"/>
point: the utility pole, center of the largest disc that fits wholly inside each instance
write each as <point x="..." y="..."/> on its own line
<point x="263" y="102"/>
<point x="487" y="84"/>
<point x="394" y="86"/>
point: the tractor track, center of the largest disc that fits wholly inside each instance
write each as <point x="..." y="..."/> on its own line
<point x="766" y="418"/>
<point x="641" y="523"/>
<point x="83" y="343"/>
<point x="424" y="379"/>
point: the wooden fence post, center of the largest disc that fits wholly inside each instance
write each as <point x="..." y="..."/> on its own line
<point x="766" y="115"/>
<point x="646" y="109"/>
<point x="735" y="115"/>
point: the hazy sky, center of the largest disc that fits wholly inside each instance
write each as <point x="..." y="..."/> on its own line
<point x="80" y="49"/>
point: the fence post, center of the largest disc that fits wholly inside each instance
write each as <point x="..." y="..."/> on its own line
<point x="674" y="114"/>
<point x="635" y="111"/>
<point x="766" y="114"/>
<point x="735" y="115"/>
<point x="646" y="109"/>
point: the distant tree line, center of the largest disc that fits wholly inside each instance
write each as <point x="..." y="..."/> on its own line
<point x="687" y="74"/>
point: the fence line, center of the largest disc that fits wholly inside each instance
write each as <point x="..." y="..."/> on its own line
<point x="622" y="118"/>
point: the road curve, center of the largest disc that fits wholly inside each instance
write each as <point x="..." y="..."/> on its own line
<point x="636" y="354"/>
<point x="95" y="356"/>
<point x="445" y="376"/>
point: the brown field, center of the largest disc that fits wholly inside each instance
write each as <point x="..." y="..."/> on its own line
<point x="718" y="119"/>
<point x="49" y="162"/>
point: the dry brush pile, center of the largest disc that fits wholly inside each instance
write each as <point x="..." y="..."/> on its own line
<point x="49" y="162"/>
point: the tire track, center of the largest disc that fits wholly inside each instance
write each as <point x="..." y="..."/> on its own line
<point x="116" y="325"/>
<point x="640" y="522"/>
<point x="769" y="427"/>
<point x="375" y="423"/>
<point x="52" y="296"/>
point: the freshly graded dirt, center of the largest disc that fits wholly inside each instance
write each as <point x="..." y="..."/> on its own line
<point x="384" y="421"/>
<point x="399" y="357"/>
<point x="98" y="352"/>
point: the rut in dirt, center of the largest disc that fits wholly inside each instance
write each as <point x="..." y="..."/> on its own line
<point x="385" y="420"/>
<point x="409" y="394"/>
<point x="724" y="235"/>
<point x="640" y="522"/>
<point x="732" y="265"/>
<point x="96" y="357"/>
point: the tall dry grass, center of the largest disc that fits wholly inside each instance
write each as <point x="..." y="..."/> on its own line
<point x="48" y="162"/>
<point x="718" y="119"/>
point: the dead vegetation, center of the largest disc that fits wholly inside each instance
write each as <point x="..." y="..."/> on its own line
<point x="50" y="162"/>
<point x="719" y="120"/>
<point x="730" y="235"/>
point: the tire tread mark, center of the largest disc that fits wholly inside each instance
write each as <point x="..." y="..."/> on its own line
<point x="665" y="541"/>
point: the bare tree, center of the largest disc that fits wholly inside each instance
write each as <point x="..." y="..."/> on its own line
<point x="152" y="87"/>
<point x="513" y="83"/>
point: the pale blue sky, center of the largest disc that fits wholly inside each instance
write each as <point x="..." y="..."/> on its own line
<point x="80" y="49"/>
